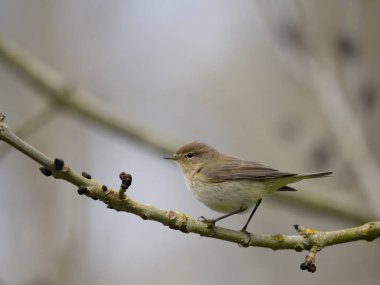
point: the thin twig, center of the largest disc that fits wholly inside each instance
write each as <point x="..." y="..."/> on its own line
<point x="179" y="221"/>
<point x="31" y="124"/>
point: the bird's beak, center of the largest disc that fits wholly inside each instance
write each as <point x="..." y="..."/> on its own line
<point x="173" y="157"/>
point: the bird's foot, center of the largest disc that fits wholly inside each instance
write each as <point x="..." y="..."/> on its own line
<point x="210" y="223"/>
<point x="246" y="242"/>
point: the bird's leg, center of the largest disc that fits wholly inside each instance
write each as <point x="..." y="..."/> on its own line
<point x="244" y="229"/>
<point x="211" y="222"/>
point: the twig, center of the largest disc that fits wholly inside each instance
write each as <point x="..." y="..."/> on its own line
<point x="31" y="124"/>
<point x="307" y="240"/>
<point x="54" y="86"/>
<point x="126" y="181"/>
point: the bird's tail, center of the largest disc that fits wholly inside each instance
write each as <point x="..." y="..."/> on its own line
<point x="280" y="183"/>
<point x="314" y="175"/>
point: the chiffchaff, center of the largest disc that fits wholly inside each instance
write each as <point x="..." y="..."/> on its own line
<point x="229" y="185"/>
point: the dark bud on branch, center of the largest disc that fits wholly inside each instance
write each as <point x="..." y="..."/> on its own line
<point x="86" y="175"/>
<point x="310" y="267"/>
<point x="58" y="164"/>
<point x="122" y="175"/>
<point x="82" y="191"/>
<point x="126" y="179"/>
<point x="304" y="266"/>
<point x="45" y="171"/>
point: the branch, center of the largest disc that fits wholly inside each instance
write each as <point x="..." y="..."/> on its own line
<point x="31" y="124"/>
<point x="312" y="40"/>
<point x="54" y="87"/>
<point x="329" y="75"/>
<point x="348" y="133"/>
<point x="331" y="205"/>
<point x="307" y="239"/>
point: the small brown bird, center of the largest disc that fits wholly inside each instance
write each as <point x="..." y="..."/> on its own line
<point x="229" y="185"/>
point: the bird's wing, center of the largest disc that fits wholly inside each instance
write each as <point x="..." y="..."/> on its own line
<point x="236" y="169"/>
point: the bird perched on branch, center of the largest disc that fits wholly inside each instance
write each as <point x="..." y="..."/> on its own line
<point x="230" y="185"/>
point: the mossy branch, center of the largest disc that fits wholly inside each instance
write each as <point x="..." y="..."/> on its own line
<point x="306" y="239"/>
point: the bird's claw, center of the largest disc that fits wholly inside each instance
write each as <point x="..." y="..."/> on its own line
<point x="249" y="238"/>
<point x="210" y="223"/>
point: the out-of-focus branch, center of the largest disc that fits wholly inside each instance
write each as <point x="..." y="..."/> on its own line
<point x="327" y="205"/>
<point x="310" y="53"/>
<point x="307" y="239"/>
<point x="54" y="87"/>
<point x="327" y="76"/>
<point x="348" y="133"/>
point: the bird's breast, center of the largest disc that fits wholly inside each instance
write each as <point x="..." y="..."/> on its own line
<point x="227" y="196"/>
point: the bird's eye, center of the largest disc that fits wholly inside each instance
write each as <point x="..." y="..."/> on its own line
<point x="189" y="155"/>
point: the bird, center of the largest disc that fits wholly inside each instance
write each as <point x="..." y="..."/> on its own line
<point x="229" y="185"/>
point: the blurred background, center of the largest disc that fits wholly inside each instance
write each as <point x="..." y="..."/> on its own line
<point x="292" y="84"/>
